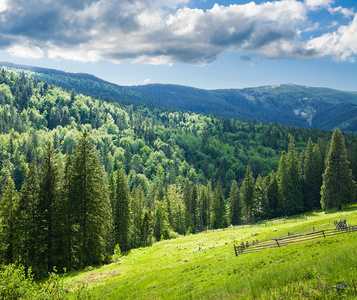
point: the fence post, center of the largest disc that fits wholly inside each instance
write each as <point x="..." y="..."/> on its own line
<point x="323" y="233"/>
<point x="277" y="242"/>
<point x="313" y="229"/>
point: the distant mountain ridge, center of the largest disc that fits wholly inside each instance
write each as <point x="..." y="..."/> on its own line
<point x="288" y="104"/>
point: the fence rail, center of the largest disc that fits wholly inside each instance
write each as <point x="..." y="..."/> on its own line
<point x="292" y="238"/>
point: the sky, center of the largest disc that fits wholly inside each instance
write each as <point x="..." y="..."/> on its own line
<point x="205" y="44"/>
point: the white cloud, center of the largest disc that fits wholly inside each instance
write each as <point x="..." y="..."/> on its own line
<point x="316" y="4"/>
<point x="347" y="12"/>
<point x="341" y="44"/>
<point x="165" y="31"/>
<point x="26" y="51"/>
<point x="147" y="80"/>
<point x="3" y="5"/>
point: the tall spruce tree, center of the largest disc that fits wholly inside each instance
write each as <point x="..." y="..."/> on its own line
<point x="91" y="202"/>
<point x="136" y="210"/>
<point x="235" y="208"/>
<point x="295" y="204"/>
<point x="48" y="206"/>
<point x="284" y="181"/>
<point x="247" y="194"/>
<point x="313" y="170"/>
<point x="187" y="199"/>
<point x="272" y="191"/>
<point x="260" y="199"/>
<point x="338" y="187"/>
<point x="219" y="208"/>
<point x="69" y="217"/>
<point x="28" y="219"/>
<point x="9" y="225"/>
<point x="121" y="211"/>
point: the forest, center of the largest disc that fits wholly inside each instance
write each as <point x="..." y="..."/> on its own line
<point x="81" y="177"/>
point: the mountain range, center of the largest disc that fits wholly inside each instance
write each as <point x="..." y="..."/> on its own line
<point x="289" y="104"/>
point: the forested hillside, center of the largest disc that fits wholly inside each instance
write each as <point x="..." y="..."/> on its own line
<point x="80" y="175"/>
<point x="287" y="104"/>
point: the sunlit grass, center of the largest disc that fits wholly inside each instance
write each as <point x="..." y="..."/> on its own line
<point x="204" y="266"/>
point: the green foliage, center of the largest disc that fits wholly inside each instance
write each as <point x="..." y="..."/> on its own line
<point x="235" y="205"/>
<point x="247" y="192"/>
<point x="94" y="174"/>
<point x="338" y="187"/>
<point x="117" y="254"/>
<point x="9" y="226"/>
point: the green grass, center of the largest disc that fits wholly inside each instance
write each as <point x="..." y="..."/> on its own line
<point x="204" y="266"/>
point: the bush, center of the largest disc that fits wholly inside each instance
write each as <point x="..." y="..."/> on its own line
<point x="117" y="254"/>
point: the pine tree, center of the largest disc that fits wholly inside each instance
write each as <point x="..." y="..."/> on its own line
<point x="136" y="209"/>
<point x="273" y="196"/>
<point x="121" y="211"/>
<point x="9" y="224"/>
<point x="161" y="223"/>
<point x="175" y="198"/>
<point x="48" y="209"/>
<point x="146" y="229"/>
<point x="338" y="187"/>
<point x="91" y="201"/>
<point x="29" y="216"/>
<point x="219" y="208"/>
<point x="247" y="194"/>
<point x="194" y="203"/>
<point x="295" y="204"/>
<point x="187" y="198"/>
<point x="313" y="170"/>
<point x="260" y="199"/>
<point x="235" y="205"/>
<point x="69" y="217"/>
<point x="284" y="181"/>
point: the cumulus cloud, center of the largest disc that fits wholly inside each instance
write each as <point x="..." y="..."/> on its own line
<point x="315" y="4"/>
<point x="347" y="12"/>
<point x="161" y="31"/>
<point x="341" y="44"/>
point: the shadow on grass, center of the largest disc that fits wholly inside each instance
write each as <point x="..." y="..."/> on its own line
<point x="345" y="208"/>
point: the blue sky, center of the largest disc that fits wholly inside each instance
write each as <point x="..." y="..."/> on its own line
<point x="206" y="44"/>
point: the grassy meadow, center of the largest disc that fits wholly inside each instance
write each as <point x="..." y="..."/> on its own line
<point x="204" y="266"/>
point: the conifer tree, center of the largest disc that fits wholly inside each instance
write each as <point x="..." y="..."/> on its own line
<point x="295" y="204"/>
<point x="207" y="203"/>
<point x="194" y="203"/>
<point x="313" y="171"/>
<point x="28" y="219"/>
<point x="219" y="208"/>
<point x="338" y="187"/>
<point x="146" y="228"/>
<point x="136" y="205"/>
<point x="260" y="199"/>
<point x="48" y="209"/>
<point x="91" y="201"/>
<point x="9" y="224"/>
<point x="284" y="181"/>
<point x="175" y="198"/>
<point x="247" y="194"/>
<point x="273" y="196"/>
<point x="69" y="217"/>
<point x="187" y="198"/>
<point x="235" y="204"/>
<point x="161" y="223"/>
<point x="121" y="211"/>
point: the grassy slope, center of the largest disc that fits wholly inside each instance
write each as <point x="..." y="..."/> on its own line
<point x="204" y="266"/>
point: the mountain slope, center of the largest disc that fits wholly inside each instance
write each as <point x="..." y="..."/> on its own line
<point x="288" y="104"/>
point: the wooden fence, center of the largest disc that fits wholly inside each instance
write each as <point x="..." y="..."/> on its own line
<point x="292" y="238"/>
